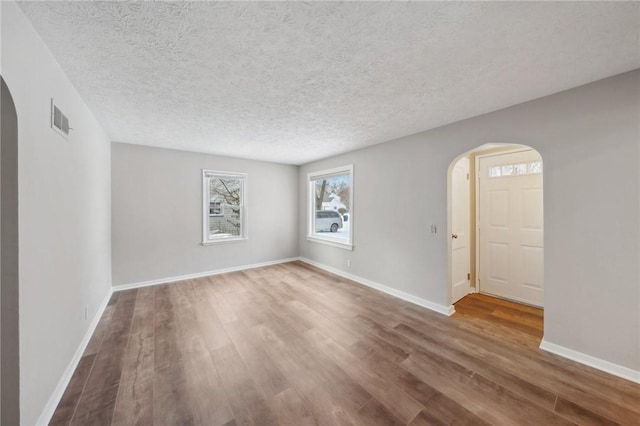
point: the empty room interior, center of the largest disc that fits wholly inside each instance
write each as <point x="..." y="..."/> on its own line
<point x="320" y="213"/>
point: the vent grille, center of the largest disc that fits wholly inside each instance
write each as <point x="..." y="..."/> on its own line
<point x="59" y="121"/>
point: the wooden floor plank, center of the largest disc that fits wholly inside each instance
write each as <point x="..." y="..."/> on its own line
<point x="583" y="416"/>
<point x="69" y="402"/>
<point x="426" y="419"/>
<point x="402" y="406"/>
<point x="443" y="348"/>
<point x="171" y="397"/>
<point x="267" y="377"/>
<point x="96" y="409"/>
<point x="247" y="404"/>
<point x="205" y="394"/>
<point x="290" y="344"/>
<point x="291" y="409"/>
<point x="134" y="404"/>
<point x="308" y="369"/>
<point x="107" y="367"/>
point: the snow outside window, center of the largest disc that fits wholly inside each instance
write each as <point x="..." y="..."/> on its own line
<point x="331" y="207"/>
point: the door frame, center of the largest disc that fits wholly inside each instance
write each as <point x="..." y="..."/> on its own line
<point x="491" y="149"/>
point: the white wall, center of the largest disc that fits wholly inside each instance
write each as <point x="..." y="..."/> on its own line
<point x="157" y="214"/>
<point x="589" y="139"/>
<point x="64" y="213"/>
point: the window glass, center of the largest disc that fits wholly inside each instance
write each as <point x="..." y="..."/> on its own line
<point x="224" y="206"/>
<point x="535" y="167"/>
<point x="507" y="170"/>
<point x="520" y="169"/>
<point x="330" y="195"/>
<point x="215" y="208"/>
<point x="515" y="169"/>
<point x="495" y="171"/>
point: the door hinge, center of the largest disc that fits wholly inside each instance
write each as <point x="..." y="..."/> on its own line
<point x="467" y="176"/>
<point x="469" y="277"/>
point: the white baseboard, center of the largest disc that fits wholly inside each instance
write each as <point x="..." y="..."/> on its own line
<point x="441" y="309"/>
<point x="597" y="363"/>
<point x="56" y="396"/>
<point x="200" y="274"/>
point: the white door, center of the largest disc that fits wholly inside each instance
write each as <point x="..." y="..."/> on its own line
<point x="460" y="253"/>
<point x="510" y="226"/>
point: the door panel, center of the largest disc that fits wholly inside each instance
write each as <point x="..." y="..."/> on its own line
<point x="511" y="251"/>
<point x="532" y="266"/>
<point x="531" y="211"/>
<point x="498" y="261"/>
<point x="499" y="209"/>
<point x="460" y="249"/>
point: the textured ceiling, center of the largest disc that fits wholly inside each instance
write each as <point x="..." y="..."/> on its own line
<point x="293" y="82"/>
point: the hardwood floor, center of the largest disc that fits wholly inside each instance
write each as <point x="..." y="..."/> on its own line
<point x="494" y="311"/>
<point x="293" y="345"/>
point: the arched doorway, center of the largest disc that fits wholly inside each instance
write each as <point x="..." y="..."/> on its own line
<point x="495" y="224"/>
<point x="9" y="336"/>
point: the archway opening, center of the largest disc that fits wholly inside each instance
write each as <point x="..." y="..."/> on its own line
<point x="495" y="228"/>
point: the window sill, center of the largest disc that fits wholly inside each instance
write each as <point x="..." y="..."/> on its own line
<point x="330" y="242"/>
<point x="224" y="240"/>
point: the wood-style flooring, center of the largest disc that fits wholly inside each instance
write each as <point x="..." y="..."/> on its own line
<point x="494" y="311"/>
<point x="293" y="345"/>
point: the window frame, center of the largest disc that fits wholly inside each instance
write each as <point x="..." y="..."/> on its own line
<point x="329" y="240"/>
<point x="206" y="237"/>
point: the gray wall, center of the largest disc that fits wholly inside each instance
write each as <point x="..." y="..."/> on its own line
<point x="64" y="214"/>
<point x="9" y="330"/>
<point x="157" y="214"/>
<point x="589" y="139"/>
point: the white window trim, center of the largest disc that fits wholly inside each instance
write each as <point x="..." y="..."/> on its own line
<point x="206" y="239"/>
<point x="330" y="241"/>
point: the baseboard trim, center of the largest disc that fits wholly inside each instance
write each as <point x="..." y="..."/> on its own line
<point x="597" y="363"/>
<point x="200" y="274"/>
<point x="441" y="309"/>
<point x="56" y="396"/>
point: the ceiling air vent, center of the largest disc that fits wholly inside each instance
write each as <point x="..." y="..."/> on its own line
<point x="59" y="121"/>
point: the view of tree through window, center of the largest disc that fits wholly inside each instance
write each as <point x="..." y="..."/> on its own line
<point x="224" y="205"/>
<point x="331" y="205"/>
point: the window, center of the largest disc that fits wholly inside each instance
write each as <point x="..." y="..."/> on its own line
<point x="331" y="207"/>
<point x="516" y="169"/>
<point x="520" y="169"/>
<point x="535" y="167"/>
<point x="224" y="215"/>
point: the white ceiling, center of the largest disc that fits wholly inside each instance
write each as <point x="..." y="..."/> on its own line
<point x="293" y="82"/>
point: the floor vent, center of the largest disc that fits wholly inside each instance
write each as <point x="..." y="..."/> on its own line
<point x="59" y="121"/>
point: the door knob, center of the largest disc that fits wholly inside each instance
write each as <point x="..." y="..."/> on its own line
<point x="454" y="236"/>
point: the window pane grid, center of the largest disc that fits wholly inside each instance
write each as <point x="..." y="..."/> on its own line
<point x="224" y="206"/>
<point x="505" y="170"/>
